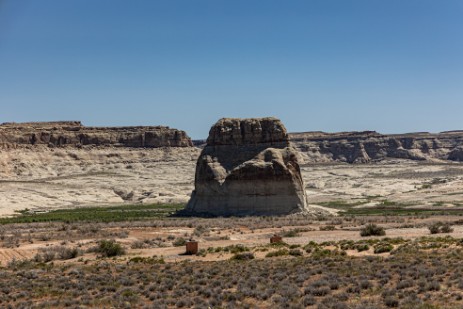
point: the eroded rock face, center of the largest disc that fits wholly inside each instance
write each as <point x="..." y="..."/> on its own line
<point x="248" y="168"/>
<point x="73" y="133"/>
<point x="364" y="147"/>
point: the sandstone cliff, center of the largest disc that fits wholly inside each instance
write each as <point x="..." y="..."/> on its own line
<point x="363" y="147"/>
<point x="73" y="133"/>
<point x="248" y="168"/>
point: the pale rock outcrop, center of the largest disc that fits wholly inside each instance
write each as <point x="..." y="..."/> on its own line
<point x="248" y="168"/>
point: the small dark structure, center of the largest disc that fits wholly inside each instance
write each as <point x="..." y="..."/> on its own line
<point x="276" y="239"/>
<point x="192" y="247"/>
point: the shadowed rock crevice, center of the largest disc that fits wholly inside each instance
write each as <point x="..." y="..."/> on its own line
<point x="248" y="168"/>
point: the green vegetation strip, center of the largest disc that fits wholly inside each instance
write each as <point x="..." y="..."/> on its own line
<point x="97" y="214"/>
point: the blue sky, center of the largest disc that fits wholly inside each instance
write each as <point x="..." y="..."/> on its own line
<point x="331" y="65"/>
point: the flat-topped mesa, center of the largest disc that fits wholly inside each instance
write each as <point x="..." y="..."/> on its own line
<point x="45" y="124"/>
<point x="74" y="134"/>
<point x="248" y="168"/>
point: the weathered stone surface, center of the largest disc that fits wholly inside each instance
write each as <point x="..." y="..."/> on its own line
<point x="73" y="133"/>
<point x="248" y="168"/>
<point x="456" y="154"/>
<point x="364" y="147"/>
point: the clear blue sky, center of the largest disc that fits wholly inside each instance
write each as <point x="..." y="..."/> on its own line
<point x="391" y="66"/>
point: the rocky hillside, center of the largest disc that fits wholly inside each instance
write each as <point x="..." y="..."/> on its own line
<point x="73" y="133"/>
<point x="368" y="146"/>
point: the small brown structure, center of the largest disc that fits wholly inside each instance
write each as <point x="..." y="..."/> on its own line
<point x="192" y="247"/>
<point x="276" y="239"/>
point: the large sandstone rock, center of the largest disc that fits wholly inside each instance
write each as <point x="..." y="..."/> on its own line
<point x="248" y="168"/>
<point x="73" y="133"/>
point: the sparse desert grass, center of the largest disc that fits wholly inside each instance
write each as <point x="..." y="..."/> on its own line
<point x="406" y="273"/>
<point x="409" y="278"/>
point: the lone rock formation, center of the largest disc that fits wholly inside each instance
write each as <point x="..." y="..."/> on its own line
<point x="248" y="168"/>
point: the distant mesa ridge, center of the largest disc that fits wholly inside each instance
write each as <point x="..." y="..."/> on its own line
<point x="73" y="133"/>
<point x="317" y="146"/>
<point x="370" y="146"/>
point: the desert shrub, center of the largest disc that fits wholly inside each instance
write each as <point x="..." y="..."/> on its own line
<point x="327" y="228"/>
<point x="295" y="252"/>
<point x="353" y="289"/>
<point x="321" y="291"/>
<point x="391" y="301"/>
<point x="109" y="248"/>
<point x="170" y="237"/>
<point x="57" y="253"/>
<point x="434" y="228"/>
<point x="446" y="228"/>
<point x="311" y="246"/>
<point x="308" y="300"/>
<point x="278" y="244"/>
<point x="372" y="230"/>
<point x="383" y="247"/>
<point x="347" y="244"/>
<point x="290" y="233"/>
<point x="179" y="241"/>
<point x="365" y="284"/>
<point x="319" y="253"/>
<point x="236" y="249"/>
<point x="440" y="227"/>
<point x="67" y="253"/>
<point x="147" y="260"/>
<point x="244" y="256"/>
<point x="138" y="244"/>
<point x="199" y="230"/>
<point x="433" y="286"/>
<point x="403" y="284"/>
<point x="331" y="303"/>
<point x="362" y="247"/>
<point x="281" y="252"/>
<point x="202" y="252"/>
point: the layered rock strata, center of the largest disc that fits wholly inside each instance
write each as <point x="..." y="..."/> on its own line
<point x="364" y="147"/>
<point x="248" y="168"/>
<point x="73" y="133"/>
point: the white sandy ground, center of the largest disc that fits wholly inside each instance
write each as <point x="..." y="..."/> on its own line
<point x="41" y="178"/>
<point x="59" y="178"/>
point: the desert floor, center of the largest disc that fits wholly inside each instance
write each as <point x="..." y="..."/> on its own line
<point x="323" y="261"/>
<point x="41" y="179"/>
